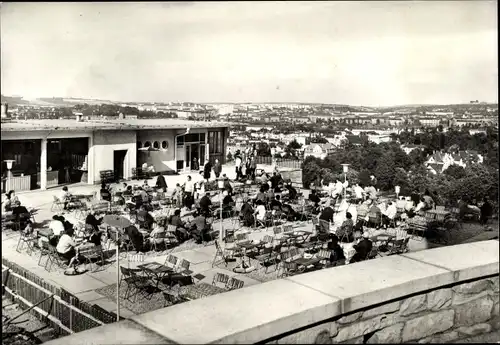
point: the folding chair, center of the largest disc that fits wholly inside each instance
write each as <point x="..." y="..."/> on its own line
<point x="223" y="254"/>
<point x="268" y="256"/>
<point x="135" y="281"/>
<point x="57" y="205"/>
<point x="289" y="269"/>
<point x="234" y="284"/>
<point x="220" y="278"/>
<point x="91" y="253"/>
<point x="324" y="254"/>
<point x="27" y="240"/>
<point x="183" y="268"/>
<point x="171" y="299"/>
<point x="171" y="261"/>
<point x="53" y="258"/>
<point x="170" y="235"/>
<point x="158" y="239"/>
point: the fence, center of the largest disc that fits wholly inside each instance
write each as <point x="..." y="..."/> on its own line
<point x="289" y="163"/>
<point x="17" y="183"/>
<point x="264" y="160"/>
<point x="64" y="312"/>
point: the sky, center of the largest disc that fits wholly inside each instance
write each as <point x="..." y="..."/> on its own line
<point x="359" y="53"/>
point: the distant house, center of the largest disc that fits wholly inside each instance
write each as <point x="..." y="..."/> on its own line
<point x="354" y="139"/>
<point x="460" y="158"/>
<point x="318" y="150"/>
<point x="408" y="148"/>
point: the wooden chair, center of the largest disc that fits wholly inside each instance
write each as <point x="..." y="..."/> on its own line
<point x="234" y="284"/>
<point x="57" y="205"/>
<point x="220" y="278"/>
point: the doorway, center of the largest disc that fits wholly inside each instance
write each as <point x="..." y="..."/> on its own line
<point x="192" y="152"/>
<point x="119" y="163"/>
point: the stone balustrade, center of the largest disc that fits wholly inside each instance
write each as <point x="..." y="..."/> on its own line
<point x="435" y="295"/>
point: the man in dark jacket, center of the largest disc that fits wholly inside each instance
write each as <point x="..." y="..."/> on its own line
<point x="363" y="248"/>
<point x="205" y="204"/>
<point x="325" y="219"/>
<point x="161" y="183"/>
<point x="207" y="169"/>
<point x="92" y="221"/>
<point x="217" y="168"/>
<point x="135" y="237"/>
<point x="486" y="211"/>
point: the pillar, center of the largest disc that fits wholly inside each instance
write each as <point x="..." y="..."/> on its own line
<point x="90" y="160"/>
<point x="43" y="165"/>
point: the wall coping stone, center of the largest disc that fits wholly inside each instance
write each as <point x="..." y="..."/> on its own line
<point x="261" y="312"/>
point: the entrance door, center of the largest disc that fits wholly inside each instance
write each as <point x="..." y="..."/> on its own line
<point x="192" y="151"/>
<point x="119" y="163"/>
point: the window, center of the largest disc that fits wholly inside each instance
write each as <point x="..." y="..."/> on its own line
<point x="147" y="144"/>
<point x="215" y="142"/>
<point x="180" y="141"/>
<point x="192" y="138"/>
<point x="202" y="137"/>
<point x="139" y="144"/>
<point x="164" y="144"/>
<point x="156" y="145"/>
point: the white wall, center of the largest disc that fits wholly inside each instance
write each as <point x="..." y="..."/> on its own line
<point x="102" y="152"/>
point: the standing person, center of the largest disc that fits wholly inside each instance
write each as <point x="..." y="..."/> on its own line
<point x="188" y="191"/>
<point x="253" y="167"/>
<point x="195" y="166"/>
<point x="65" y="197"/>
<point x="161" y="183"/>
<point x="325" y="218"/>
<point x="178" y="195"/>
<point x="207" y="170"/>
<point x="237" y="164"/>
<point x="217" y="168"/>
<point x="486" y="211"/>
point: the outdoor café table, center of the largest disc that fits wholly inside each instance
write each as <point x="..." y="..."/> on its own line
<point x="307" y="262"/>
<point x="246" y="246"/>
<point x="200" y="290"/>
<point x="156" y="271"/>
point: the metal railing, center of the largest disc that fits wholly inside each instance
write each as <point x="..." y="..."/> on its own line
<point x="61" y="310"/>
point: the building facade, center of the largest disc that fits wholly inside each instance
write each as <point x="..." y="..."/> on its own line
<point x="44" y="153"/>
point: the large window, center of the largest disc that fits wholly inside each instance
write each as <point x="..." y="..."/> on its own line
<point x="215" y="142"/>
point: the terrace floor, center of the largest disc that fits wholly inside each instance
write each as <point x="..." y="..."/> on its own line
<point x="98" y="287"/>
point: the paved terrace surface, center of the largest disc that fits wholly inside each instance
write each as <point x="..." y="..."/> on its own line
<point x="260" y="312"/>
<point x="73" y="125"/>
<point x="84" y="286"/>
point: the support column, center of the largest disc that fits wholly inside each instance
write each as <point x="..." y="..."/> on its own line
<point x="90" y="160"/>
<point x="43" y="165"/>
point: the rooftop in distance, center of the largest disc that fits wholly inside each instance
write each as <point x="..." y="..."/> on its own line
<point x="119" y="124"/>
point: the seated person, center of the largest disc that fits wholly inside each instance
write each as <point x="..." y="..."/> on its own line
<point x="144" y="195"/>
<point x="56" y="226"/>
<point x="227" y="184"/>
<point x="313" y="197"/>
<point x="290" y="212"/>
<point x="105" y="193"/>
<point x="145" y="186"/>
<point x="94" y="237"/>
<point x="128" y="191"/>
<point x="135" y="236"/>
<point x="200" y="228"/>
<point x="326" y="218"/>
<point x="145" y="219"/>
<point x="7" y="204"/>
<point x="260" y="211"/>
<point x="337" y="253"/>
<point x="261" y="195"/>
<point x="228" y="200"/>
<point x="160" y="182"/>
<point x="246" y="213"/>
<point x="180" y="231"/>
<point x="65" y="197"/>
<point x="389" y="214"/>
<point x="91" y="222"/>
<point x="422" y="206"/>
<point x="205" y="204"/>
<point x="66" y="248"/>
<point x="363" y="247"/>
<point x="486" y="211"/>
<point x="157" y="233"/>
<point x="276" y="203"/>
<point x="292" y="192"/>
<point x="270" y="194"/>
<point x="11" y="202"/>
<point x="345" y="232"/>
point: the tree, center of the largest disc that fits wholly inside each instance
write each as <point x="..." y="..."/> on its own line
<point x="364" y="177"/>
<point x="263" y="150"/>
<point x="455" y="171"/>
<point x="401" y="180"/>
<point x="385" y="172"/>
<point x="291" y="149"/>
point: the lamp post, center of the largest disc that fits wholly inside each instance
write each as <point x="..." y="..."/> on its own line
<point x="220" y="184"/>
<point x="345" y="168"/>
<point x="397" y="189"/>
<point x="9" y="163"/>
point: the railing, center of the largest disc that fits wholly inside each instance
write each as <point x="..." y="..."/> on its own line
<point x="17" y="183"/>
<point x="289" y="163"/>
<point x="64" y="312"/>
<point x="267" y="160"/>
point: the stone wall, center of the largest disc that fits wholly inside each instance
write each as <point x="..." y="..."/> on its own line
<point x="429" y="296"/>
<point x="438" y="316"/>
